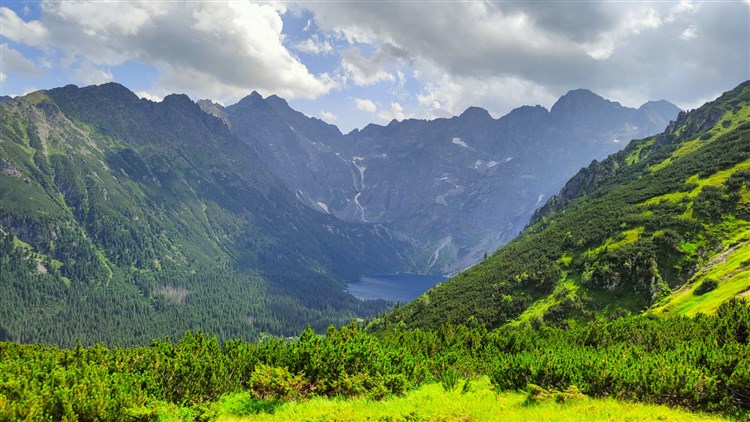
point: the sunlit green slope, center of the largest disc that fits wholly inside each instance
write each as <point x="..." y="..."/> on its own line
<point x="661" y="226"/>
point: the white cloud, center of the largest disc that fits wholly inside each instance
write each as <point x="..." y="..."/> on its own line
<point x="549" y="47"/>
<point x="681" y="8"/>
<point x="157" y="98"/>
<point x="2" y="76"/>
<point x="395" y="112"/>
<point x="634" y="20"/>
<point x="362" y="70"/>
<point x="365" y="105"/>
<point x="14" y="28"/>
<point x="327" y="116"/>
<point x="220" y="50"/>
<point x="496" y="55"/>
<point x="314" y="45"/>
<point x="689" y="33"/>
<point x="14" y="61"/>
<point x="469" y="38"/>
<point x="89" y="74"/>
<point x="446" y="95"/>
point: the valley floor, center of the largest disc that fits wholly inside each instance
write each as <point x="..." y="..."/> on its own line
<point x="432" y="403"/>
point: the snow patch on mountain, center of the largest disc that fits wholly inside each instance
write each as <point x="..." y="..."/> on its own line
<point x="359" y="206"/>
<point x="459" y="142"/>
<point x="358" y="163"/>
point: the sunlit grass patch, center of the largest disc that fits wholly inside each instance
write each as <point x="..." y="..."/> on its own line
<point x="635" y="156"/>
<point x="481" y="403"/>
<point x="731" y="272"/>
<point x="685" y="148"/>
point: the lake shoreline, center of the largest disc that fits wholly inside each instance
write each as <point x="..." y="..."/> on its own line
<point x="400" y="287"/>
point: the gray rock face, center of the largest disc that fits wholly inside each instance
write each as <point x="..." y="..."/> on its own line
<point x="455" y="188"/>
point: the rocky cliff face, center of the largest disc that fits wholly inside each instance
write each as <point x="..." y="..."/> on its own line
<point x="455" y="188"/>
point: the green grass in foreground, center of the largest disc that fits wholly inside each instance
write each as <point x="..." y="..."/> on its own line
<point x="432" y="403"/>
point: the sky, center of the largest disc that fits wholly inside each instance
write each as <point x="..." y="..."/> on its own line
<point x="351" y="63"/>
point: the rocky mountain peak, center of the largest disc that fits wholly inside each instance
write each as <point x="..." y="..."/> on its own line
<point x="475" y="114"/>
<point x="578" y="100"/>
<point x="180" y="100"/>
<point x="525" y="112"/>
<point x="214" y="109"/>
<point x="660" y="106"/>
<point x="253" y="99"/>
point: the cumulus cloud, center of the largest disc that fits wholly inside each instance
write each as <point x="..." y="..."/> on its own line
<point x="157" y="98"/>
<point x="220" y="50"/>
<point x="364" y="71"/>
<point x="633" y="22"/>
<point x="14" y="61"/>
<point x="432" y="59"/>
<point x="689" y="33"/>
<point x="680" y="8"/>
<point x="314" y="45"/>
<point x="88" y="74"/>
<point x="31" y="33"/>
<point x="327" y="116"/>
<point x="607" y="47"/>
<point x="395" y="112"/>
<point x="445" y="95"/>
<point x="365" y="105"/>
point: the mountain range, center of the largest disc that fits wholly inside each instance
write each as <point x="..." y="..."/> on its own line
<point x="456" y="188"/>
<point x="123" y="219"/>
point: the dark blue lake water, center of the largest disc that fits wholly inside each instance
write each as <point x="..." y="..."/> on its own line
<point x="395" y="287"/>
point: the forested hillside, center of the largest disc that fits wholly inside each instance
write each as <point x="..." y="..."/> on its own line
<point x="662" y="226"/>
<point x="122" y="220"/>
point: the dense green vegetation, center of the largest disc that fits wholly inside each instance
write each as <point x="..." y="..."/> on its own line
<point x="696" y="363"/>
<point x="639" y="231"/>
<point x="481" y="402"/>
<point x="123" y="220"/>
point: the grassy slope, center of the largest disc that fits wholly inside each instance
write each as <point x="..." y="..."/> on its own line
<point x="631" y="237"/>
<point x="432" y="403"/>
